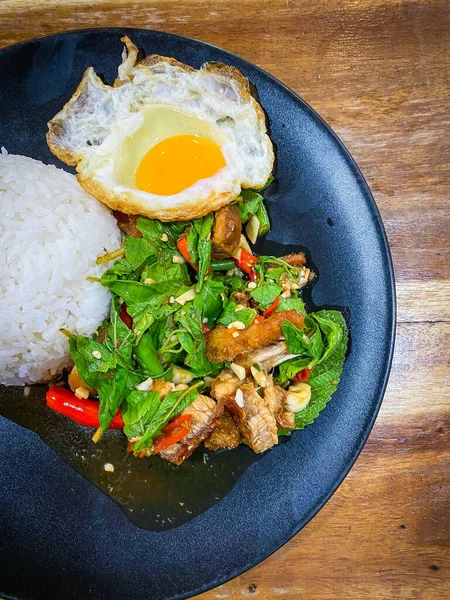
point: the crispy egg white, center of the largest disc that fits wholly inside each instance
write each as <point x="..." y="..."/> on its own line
<point x="166" y="140"/>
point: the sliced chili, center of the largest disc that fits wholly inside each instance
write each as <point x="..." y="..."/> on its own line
<point x="246" y="262"/>
<point x="183" y="247"/>
<point x="172" y="433"/>
<point x="273" y="307"/>
<point x="260" y="318"/>
<point x="125" y="317"/>
<point x="80" y="410"/>
<point x="205" y="328"/>
<point x="302" y="375"/>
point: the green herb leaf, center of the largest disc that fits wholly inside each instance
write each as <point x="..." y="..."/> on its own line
<point x="119" y="338"/>
<point x="266" y="294"/>
<point x="248" y="204"/>
<point x="230" y="314"/>
<point x="173" y="404"/>
<point x="209" y="302"/>
<point x="138" y="411"/>
<point x="203" y="227"/>
<point x="296" y="304"/>
<point x="111" y="392"/>
<point x="138" y="251"/>
<point x="326" y="375"/>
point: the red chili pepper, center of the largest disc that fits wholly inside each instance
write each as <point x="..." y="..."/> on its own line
<point x="302" y="375"/>
<point x="183" y="247"/>
<point x="246" y="262"/>
<point x="273" y="307"/>
<point x="175" y="431"/>
<point x="84" y="412"/>
<point x="125" y="317"/>
<point x="259" y="319"/>
<point x="205" y="328"/>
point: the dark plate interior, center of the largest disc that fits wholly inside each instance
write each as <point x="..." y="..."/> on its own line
<point x="61" y="536"/>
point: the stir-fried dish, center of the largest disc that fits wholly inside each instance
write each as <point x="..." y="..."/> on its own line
<point x="206" y="342"/>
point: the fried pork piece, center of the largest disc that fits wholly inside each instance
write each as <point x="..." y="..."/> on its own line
<point x="223" y="345"/>
<point x="275" y="399"/>
<point x="226" y="232"/>
<point x="295" y="260"/>
<point x="254" y="418"/>
<point x="203" y="411"/>
<point x="226" y="433"/>
<point x="267" y="358"/>
<point x="224" y="385"/>
<point x="127" y="223"/>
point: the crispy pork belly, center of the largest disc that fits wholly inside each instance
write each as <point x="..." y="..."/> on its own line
<point x="203" y="413"/>
<point x="224" y="345"/>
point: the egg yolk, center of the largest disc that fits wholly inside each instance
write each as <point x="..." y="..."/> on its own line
<point x="177" y="163"/>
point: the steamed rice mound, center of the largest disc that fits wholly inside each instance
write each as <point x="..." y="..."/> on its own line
<point x="51" y="232"/>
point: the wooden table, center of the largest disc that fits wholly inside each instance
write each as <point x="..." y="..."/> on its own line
<point x="378" y="71"/>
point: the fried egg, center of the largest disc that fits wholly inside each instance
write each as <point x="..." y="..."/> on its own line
<point x="166" y="140"/>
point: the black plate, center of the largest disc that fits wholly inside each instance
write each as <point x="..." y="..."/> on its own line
<point x="61" y="537"/>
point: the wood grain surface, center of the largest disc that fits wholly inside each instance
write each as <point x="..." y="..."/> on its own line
<point x="378" y="71"/>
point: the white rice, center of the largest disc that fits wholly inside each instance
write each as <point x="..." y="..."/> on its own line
<point x="51" y="232"/>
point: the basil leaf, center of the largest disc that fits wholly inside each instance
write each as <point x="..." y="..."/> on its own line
<point x="173" y="404"/>
<point x="331" y="329"/>
<point x="290" y="368"/>
<point x="119" y="338"/>
<point x="111" y="392"/>
<point x="134" y="292"/>
<point x="230" y="314"/>
<point x="203" y="227"/>
<point x="266" y="294"/>
<point x="326" y="375"/>
<point x="138" y="251"/>
<point x="84" y="353"/>
<point x="248" y="204"/>
<point x="153" y="230"/>
<point x="139" y="408"/>
<point x="209" y="302"/>
<point x="296" y="339"/>
<point x="296" y="304"/>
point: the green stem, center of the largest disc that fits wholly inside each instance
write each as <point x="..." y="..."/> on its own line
<point x="264" y="222"/>
<point x="222" y="265"/>
<point x="110" y="256"/>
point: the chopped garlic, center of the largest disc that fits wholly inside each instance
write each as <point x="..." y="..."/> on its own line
<point x="298" y="397"/>
<point x="178" y="259"/>
<point x="238" y="370"/>
<point x="26" y="391"/>
<point x="239" y="307"/>
<point x="252" y="229"/>
<point x="235" y="334"/>
<point x="146" y="385"/>
<point x="149" y="281"/>
<point x="286" y="294"/>
<point x="244" y="245"/>
<point x="82" y="392"/>
<point x="96" y="354"/>
<point x="259" y="376"/>
<point x="109" y="467"/>
<point x="252" y="285"/>
<point x="236" y="325"/>
<point x="164" y="237"/>
<point x="239" y="398"/>
<point x="181" y="375"/>
<point x="171" y="300"/>
<point x="189" y="295"/>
